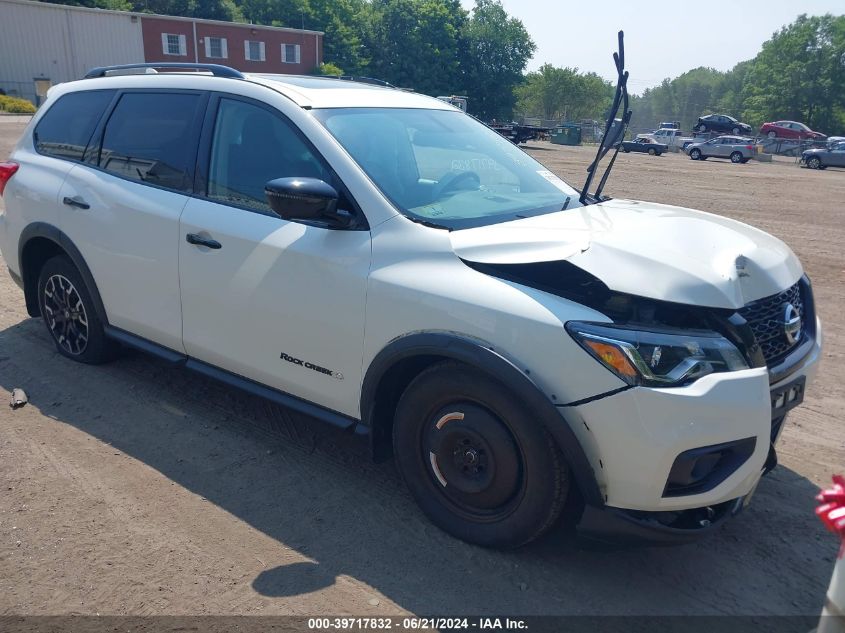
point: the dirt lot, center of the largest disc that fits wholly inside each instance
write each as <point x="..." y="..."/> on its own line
<point x="136" y="488"/>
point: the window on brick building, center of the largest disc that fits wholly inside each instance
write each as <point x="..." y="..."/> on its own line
<point x="216" y="47"/>
<point x="290" y="53"/>
<point x="254" y="51"/>
<point x="173" y="44"/>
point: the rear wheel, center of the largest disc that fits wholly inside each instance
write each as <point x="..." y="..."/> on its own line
<point x="695" y="153"/>
<point x="478" y="463"/>
<point x="68" y="311"/>
<point x="814" y="163"/>
<point x="736" y="157"/>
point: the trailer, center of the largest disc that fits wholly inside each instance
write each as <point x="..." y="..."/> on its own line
<point x="518" y="134"/>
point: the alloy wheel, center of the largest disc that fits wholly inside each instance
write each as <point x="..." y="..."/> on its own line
<point x="65" y="314"/>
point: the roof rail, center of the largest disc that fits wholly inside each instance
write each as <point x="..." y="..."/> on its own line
<point x="367" y="80"/>
<point x="215" y="69"/>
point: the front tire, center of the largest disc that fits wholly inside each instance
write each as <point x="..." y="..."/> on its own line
<point x="69" y="314"/>
<point x="652" y="151"/>
<point x="477" y="462"/>
<point x="814" y="163"/>
<point x="702" y="128"/>
<point x="695" y="154"/>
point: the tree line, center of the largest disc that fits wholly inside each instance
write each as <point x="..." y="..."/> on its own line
<point x="564" y="94"/>
<point x="436" y="47"/>
<point x="432" y="46"/>
<point x="799" y="75"/>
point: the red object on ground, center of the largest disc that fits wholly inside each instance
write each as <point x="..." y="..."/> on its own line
<point x="832" y="510"/>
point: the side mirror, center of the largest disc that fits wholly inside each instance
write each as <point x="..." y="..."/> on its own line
<point x="308" y="199"/>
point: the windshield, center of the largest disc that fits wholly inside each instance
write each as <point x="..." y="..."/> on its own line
<point x="445" y="168"/>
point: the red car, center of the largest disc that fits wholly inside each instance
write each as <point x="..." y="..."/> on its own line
<point x="789" y="129"/>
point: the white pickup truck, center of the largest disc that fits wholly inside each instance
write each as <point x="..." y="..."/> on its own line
<point x="669" y="136"/>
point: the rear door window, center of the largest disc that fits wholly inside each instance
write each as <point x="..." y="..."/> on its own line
<point x="66" y="128"/>
<point x="152" y="138"/>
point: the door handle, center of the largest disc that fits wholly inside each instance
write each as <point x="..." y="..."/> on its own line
<point x="199" y="240"/>
<point x="77" y="202"/>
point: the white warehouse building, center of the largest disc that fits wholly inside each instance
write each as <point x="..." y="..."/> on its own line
<point x="42" y="44"/>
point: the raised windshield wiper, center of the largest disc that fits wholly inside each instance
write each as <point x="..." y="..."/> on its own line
<point x="614" y="130"/>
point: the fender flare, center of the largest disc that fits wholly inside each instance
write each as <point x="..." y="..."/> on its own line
<point x="483" y="356"/>
<point x="55" y="235"/>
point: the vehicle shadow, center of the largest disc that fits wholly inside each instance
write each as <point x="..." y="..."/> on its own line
<point x="313" y="489"/>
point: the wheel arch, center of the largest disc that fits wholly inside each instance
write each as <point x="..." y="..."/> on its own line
<point x="401" y="360"/>
<point x="39" y="242"/>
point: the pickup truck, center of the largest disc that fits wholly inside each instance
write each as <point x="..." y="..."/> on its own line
<point x="668" y="136"/>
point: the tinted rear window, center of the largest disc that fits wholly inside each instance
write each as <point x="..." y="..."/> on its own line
<point x="65" y="130"/>
<point x="149" y="137"/>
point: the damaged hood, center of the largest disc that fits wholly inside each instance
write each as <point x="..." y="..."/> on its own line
<point x="645" y="249"/>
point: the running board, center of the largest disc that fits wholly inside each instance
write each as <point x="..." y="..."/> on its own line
<point x="234" y="380"/>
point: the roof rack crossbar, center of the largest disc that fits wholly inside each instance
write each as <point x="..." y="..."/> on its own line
<point x="215" y="69"/>
<point x="367" y="80"/>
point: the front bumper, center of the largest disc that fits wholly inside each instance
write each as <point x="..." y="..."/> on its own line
<point x="634" y="437"/>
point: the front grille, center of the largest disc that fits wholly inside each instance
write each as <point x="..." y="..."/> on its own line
<point x="766" y="318"/>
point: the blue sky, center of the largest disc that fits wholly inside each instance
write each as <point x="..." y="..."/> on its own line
<point x="662" y="38"/>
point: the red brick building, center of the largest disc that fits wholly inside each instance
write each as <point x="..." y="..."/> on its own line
<point x="246" y="47"/>
<point x="48" y="43"/>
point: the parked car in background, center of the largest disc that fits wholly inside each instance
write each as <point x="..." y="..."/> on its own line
<point x="824" y="157"/>
<point x="674" y="125"/>
<point x="645" y="145"/>
<point x="738" y="149"/>
<point x="833" y="140"/>
<point x="790" y="129"/>
<point x="721" y="123"/>
<point x="668" y="136"/>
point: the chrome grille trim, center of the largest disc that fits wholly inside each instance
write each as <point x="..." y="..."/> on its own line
<point x="765" y="317"/>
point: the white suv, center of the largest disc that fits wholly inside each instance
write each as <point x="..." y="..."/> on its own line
<point x="383" y="261"/>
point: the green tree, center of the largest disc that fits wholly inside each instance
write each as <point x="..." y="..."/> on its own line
<point x="342" y="21"/>
<point x="496" y="50"/>
<point x="563" y="93"/>
<point x="415" y="43"/>
<point x="800" y="74"/>
<point x="226" y="10"/>
<point x="118" y="5"/>
<point x="290" y="13"/>
<point x="327" y="70"/>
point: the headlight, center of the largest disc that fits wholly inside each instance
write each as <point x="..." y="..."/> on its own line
<point x="657" y="358"/>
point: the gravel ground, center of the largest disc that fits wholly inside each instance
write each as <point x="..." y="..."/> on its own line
<point x="138" y="488"/>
